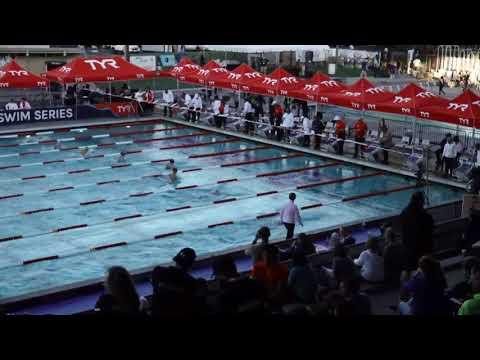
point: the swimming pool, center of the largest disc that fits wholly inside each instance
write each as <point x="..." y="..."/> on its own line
<point x="66" y="218"/>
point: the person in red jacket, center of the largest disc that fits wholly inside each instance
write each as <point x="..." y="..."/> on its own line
<point x="360" y="129"/>
<point x="340" y="132"/>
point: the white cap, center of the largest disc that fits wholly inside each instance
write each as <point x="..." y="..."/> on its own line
<point x="337" y="117"/>
<point x="274" y="102"/>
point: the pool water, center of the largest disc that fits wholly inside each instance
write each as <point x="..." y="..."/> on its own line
<point x="46" y="185"/>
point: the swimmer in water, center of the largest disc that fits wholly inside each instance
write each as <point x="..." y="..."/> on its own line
<point x="84" y="151"/>
<point x="121" y="158"/>
<point x="170" y="165"/>
<point x="173" y="175"/>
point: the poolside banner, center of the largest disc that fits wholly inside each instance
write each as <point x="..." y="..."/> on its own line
<point x="120" y="109"/>
<point x="14" y="117"/>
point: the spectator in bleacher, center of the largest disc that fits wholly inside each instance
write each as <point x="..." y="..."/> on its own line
<point x="271" y="273"/>
<point x="175" y="291"/>
<point x="463" y="290"/>
<point x="224" y="268"/>
<point x="394" y="257"/>
<point x="472" y="306"/>
<point x="303" y="244"/>
<point x="317" y="128"/>
<point x="449" y="156"/>
<point x="302" y="281"/>
<point x="11" y="105"/>
<point x="439" y="152"/>
<point x="417" y="230"/>
<point x="356" y="303"/>
<point x="255" y="250"/>
<point x="424" y="293"/>
<point x="340" y="132"/>
<point x="120" y="293"/>
<point x="371" y="262"/>
<point x="360" y="128"/>
<point x="472" y="232"/>
<point x="343" y="267"/>
<point x="24" y="104"/>
<point x="290" y="215"/>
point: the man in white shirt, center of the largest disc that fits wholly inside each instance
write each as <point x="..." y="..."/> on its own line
<point x="371" y="262"/>
<point x="287" y="123"/>
<point x="197" y="105"/>
<point x="307" y="131"/>
<point x="290" y="215"/>
<point x="168" y="99"/>
<point x="248" y="113"/>
<point x="187" y="101"/>
<point x="216" y="111"/>
<point x="449" y="156"/>
<point x="24" y="104"/>
<point x="12" y="105"/>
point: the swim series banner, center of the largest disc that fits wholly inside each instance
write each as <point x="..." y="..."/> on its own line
<point x="62" y="113"/>
<point x="14" y="117"/>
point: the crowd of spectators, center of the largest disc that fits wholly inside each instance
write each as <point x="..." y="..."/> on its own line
<point x="283" y="280"/>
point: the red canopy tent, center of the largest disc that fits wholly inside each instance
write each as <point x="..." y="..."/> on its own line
<point x="183" y="68"/>
<point x="199" y="76"/>
<point x="279" y="82"/>
<point x="362" y="95"/>
<point x="409" y="100"/>
<point x="316" y="87"/>
<point x="237" y="76"/>
<point x="98" y="69"/>
<point x="13" y="75"/>
<point x="463" y="110"/>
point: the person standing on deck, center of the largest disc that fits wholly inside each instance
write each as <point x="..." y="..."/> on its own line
<point x="360" y="131"/>
<point x="216" y="111"/>
<point x="197" y="105"/>
<point x="290" y="215"/>
<point x="168" y="99"/>
<point x="449" y="156"/>
<point x="188" y="104"/>
<point x="340" y="132"/>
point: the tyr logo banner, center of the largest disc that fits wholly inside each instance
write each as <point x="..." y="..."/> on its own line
<point x="102" y="63"/>
<point x="353" y="94"/>
<point x="234" y="76"/>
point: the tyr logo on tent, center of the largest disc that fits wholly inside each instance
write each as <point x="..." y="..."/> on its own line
<point x="424" y="114"/>
<point x="375" y="90"/>
<point x="203" y="72"/>
<point x="14" y="73"/>
<point x="253" y="75"/>
<point x="400" y="100"/>
<point x="476" y="103"/>
<point x="234" y="76"/>
<point x="455" y="106"/>
<point x="125" y="108"/>
<point x="425" y="94"/>
<point x="102" y="63"/>
<point x="463" y="121"/>
<point x="354" y="94"/>
<point x="41" y="83"/>
<point x="371" y="106"/>
<point x="289" y="80"/>
<point x="65" y="69"/>
<point x="329" y="83"/>
<point x="310" y="87"/>
<point x="269" y="81"/>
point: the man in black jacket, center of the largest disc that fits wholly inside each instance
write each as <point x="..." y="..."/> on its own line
<point x="317" y="127"/>
<point x="417" y="230"/>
